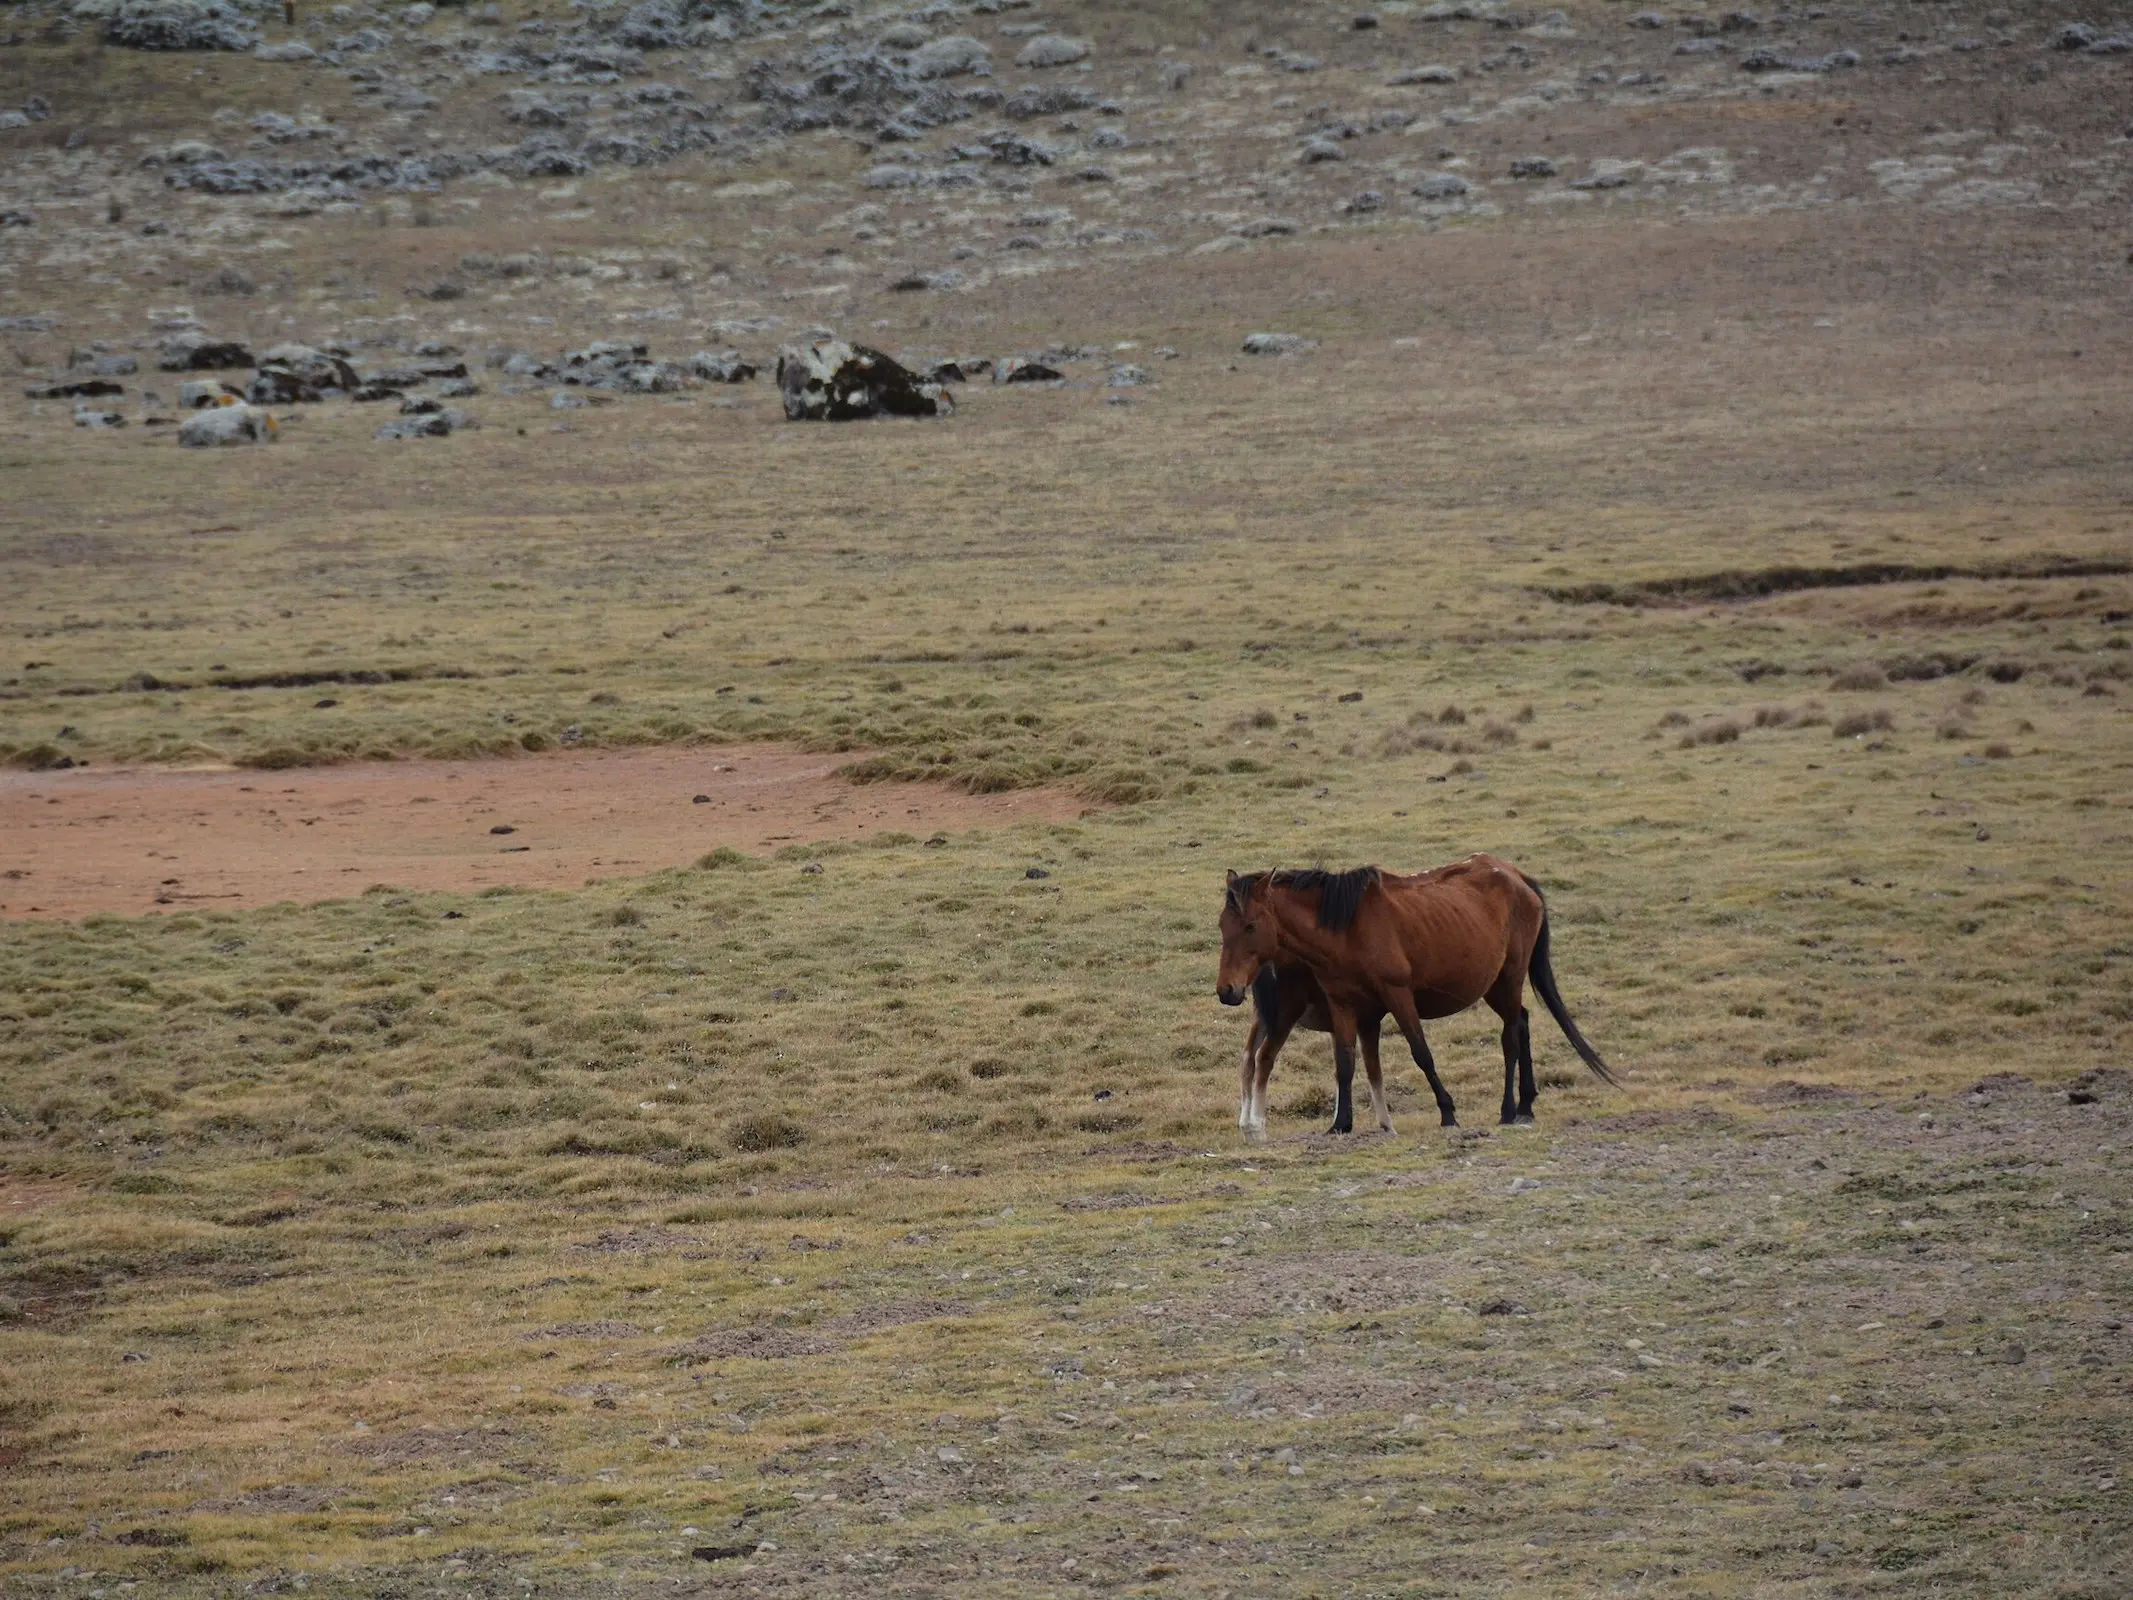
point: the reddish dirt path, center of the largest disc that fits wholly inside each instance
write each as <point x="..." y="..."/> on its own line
<point x="139" y="841"/>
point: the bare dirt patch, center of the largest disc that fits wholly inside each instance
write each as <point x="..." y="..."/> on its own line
<point x="136" y="841"/>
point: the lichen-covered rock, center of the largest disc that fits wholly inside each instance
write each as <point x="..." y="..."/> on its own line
<point x="1276" y="344"/>
<point x="725" y="367"/>
<point x="230" y="424"/>
<point x="321" y="369"/>
<point x="832" y="381"/>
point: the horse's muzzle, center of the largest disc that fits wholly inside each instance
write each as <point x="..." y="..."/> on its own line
<point x="1230" y="994"/>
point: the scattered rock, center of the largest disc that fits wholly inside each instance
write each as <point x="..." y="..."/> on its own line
<point x="1532" y="167"/>
<point x="1440" y="186"/>
<point x="1022" y="369"/>
<point x="196" y="352"/>
<point x="88" y="417"/>
<point x="287" y="50"/>
<point x="432" y="425"/>
<point x="1268" y="228"/>
<point x="1502" y="1308"/>
<point x="227" y="424"/>
<point x="1362" y="204"/>
<point x="1046" y="100"/>
<point x="1128" y="376"/>
<point x="1052" y="50"/>
<point x="1773" y="61"/>
<point x="949" y="57"/>
<point x="180" y="25"/>
<point x="725" y="367"/>
<point x="74" y="389"/>
<point x="321" y="369"/>
<point x="832" y="381"/>
<point x="197" y="394"/>
<point x="1319" y="150"/>
<point x="278" y="386"/>
<point x="1277" y="344"/>
<point x="1435" y="72"/>
<point x="2071" y="36"/>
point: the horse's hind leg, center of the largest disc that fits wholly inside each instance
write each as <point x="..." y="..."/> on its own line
<point x="1509" y="1113"/>
<point x="1528" y="1090"/>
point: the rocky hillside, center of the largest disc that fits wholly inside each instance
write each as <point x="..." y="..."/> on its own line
<point x="374" y="182"/>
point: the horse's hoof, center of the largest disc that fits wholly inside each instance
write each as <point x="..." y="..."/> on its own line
<point x="1525" y="1119"/>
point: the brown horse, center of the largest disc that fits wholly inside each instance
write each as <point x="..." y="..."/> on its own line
<point x="1426" y="945"/>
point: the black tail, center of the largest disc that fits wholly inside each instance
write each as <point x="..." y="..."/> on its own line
<point x="1543" y="975"/>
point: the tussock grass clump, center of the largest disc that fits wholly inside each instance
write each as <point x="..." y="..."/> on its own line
<point x="1315" y="1101"/>
<point x="765" y="1130"/>
<point x="1855" y="724"/>
<point x="1720" y="730"/>
<point x="1809" y="715"/>
<point x="1865" y="676"/>
<point x="1420" y="732"/>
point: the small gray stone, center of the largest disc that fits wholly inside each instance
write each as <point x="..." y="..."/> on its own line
<point x="1532" y="167"/>
<point x="1276" y="344"/>
<point x="950" y="57"/>
<point x="1442" y="186"/>
<point x="1316" y="151"/>
<point x="1052" y="50"/>
<point x="226" y="425"/>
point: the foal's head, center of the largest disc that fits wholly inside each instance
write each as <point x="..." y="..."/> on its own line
<point x="1248" y="938"/>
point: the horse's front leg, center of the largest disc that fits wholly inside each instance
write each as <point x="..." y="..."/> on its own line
<point x="1248" y="1077"/>
<point x="1344" y="1031"/>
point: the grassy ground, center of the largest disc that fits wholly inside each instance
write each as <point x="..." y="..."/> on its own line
<point x="891" y="1214"/>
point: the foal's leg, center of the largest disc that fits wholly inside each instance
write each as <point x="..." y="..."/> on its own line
<point x="1404" y="1013"/>
<point x="1374" y="1071"/>
<point x="1344" y="1029"/>
<point x="1269" y="1048"/>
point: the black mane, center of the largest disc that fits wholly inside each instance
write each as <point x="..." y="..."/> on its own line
<point x="1340" y="894"/>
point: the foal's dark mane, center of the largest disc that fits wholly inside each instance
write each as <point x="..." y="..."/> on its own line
<point x="1340" y="894"/>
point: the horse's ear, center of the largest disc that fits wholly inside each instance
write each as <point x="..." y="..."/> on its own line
<point x="1232" y="880"/>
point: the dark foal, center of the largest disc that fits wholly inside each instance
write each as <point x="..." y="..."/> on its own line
<point x="1283" y="1000"/>
<point x="1425" y="945"/>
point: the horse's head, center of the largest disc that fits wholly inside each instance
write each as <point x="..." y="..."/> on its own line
<point x="1249" y="936"/>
